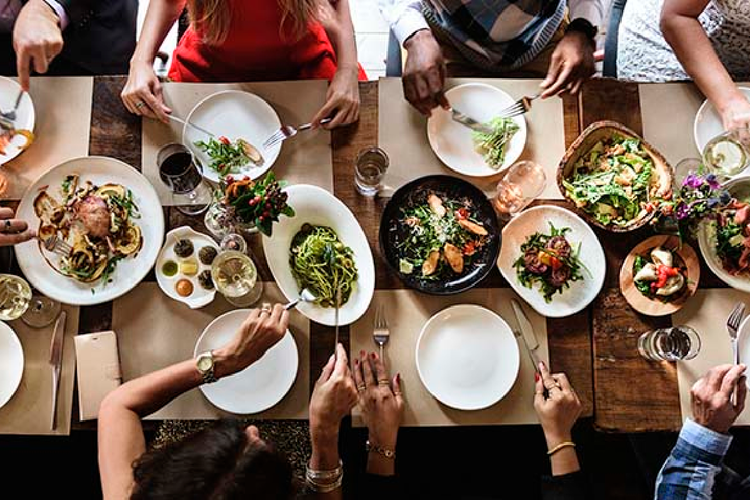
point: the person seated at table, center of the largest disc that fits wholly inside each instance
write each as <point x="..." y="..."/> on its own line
<point x="694" y="469"/>
<point x="224" y="461"/>
<point x="66" y="37"/>
<point x="493" y="38"/>
<point x="244" y="40"/>
<point x="706" y="41"/>
<point x="13" y="231"/>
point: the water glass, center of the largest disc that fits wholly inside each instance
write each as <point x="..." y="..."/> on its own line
<point x="15" y="296"/>
<point x="369" y="170"/>
<point x="676" y="343"/>
<point x="182" y="174"/>
<point x="524" y="182"/>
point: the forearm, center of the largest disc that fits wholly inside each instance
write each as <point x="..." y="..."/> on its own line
<point x="325" y="456"/>
<point x="160" y="17"/>
<point x="342" y="37"/>
<point x="564" y="462"/>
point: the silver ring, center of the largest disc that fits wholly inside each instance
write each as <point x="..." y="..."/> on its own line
<point x="361" y="388"/>
<point x="266" y="308"/>
<point x="139" y="104"/>
<point x="6" y="225"/>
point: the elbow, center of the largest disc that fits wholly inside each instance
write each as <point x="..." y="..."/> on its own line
<point x="110" y="405"/>
<point x="666" y="24"/>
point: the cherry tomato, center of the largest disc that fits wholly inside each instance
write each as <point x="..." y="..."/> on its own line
<point x="224" y="140"/>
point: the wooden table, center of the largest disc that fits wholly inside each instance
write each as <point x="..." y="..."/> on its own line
<point x="623" y="392"/>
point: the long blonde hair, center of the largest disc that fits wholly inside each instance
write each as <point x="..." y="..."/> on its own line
<point x="213" y="17"/>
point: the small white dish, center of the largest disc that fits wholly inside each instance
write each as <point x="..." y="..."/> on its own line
<point x="467" y="357"/>
<point x="233" y="114"/>
<point x="200" y="296"/>
<point x="25" y="116"/>
<point x="743" y="344"/>
<point x="452" y="142"/>
<point x="11" y="363"/>
<point x="582" y="292"/>
<point x="316" y="206"/>
<point x="708" y="124"/>
<point x="259" y="386"/>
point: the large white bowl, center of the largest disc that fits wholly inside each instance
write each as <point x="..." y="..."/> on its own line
<point x="708" y="124"/>
<point x="467" y="357"/>
<point x="11" y="363"/>
<point x="582" y="292"/>
<point x="25" y="116"/>
<point x="234" y="114"/>
<point x="130" y="271"/>
<point x="316" y="206"/>
<point x="259" y="386"/>
<point x="452" y="142"/>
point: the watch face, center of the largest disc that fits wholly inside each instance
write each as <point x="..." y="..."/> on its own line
<point x="205" y="363"/>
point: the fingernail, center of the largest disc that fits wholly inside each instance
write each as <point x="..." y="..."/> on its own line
<point x="372" y="355"/>
<point x="333" y="356"/>
<point x="362" y="353"/>
<point x="398" y="378"/>
<point x="536" y="377"/>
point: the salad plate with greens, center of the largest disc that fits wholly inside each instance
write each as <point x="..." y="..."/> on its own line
<point x="553" y="260"/>
<point x="473" y="153"/>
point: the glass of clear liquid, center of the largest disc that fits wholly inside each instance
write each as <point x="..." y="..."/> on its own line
<point x="15" y="296"/>
<point x="727" y="155"/>
<point x="676" y="343"/>
<point x="369" y="170"/>
<point x="42" y="311"/>
<point x="524" y="182"/>
<point x="236" y="278"/>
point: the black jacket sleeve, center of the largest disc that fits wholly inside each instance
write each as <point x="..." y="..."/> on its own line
<point x="375" y="487"/>
<point x="78" y="11"/>
<point x="567" y="487"/>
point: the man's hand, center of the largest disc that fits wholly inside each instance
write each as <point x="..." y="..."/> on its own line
<point x="424" y="73"/>
<point x="37" y="39"/>
<point x="571" y="64"/>
<point x="711" y="397"/>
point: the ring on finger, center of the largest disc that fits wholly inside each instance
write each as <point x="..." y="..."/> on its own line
<point x="384" y="382"/>
<point x="139" y="104"/>
<point x="265" y="308"/>
<point x="6" y="226"/>
<point x="361" y="388"/>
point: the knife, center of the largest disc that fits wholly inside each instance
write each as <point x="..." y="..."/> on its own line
<point x="470" y="122"/>
<point x="528" y="336"/>
<point x="55" y="359"/>
<point x="336" y="318"/>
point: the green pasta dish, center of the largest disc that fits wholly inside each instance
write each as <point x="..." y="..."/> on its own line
<point x="494" y="146"/>
<point x="321" y="263"/>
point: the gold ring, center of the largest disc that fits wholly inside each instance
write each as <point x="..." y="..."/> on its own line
<point x="139" y="104"/>
<point x="384" y="382"/>
<point x="265" y="308"/>
<point x="361" y="388"/>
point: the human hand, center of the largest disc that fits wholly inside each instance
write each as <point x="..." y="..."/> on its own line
<point x="142" y="94"/>
<point x="559" y="410"/>
<point x="342" y="99"/>
<point x="424" y="73"/>
<point x="380" y="399"/>
<point x="37" y="39"/>
<point x="735" y="113"/>
<point x="262" y="329"/>
<point x="332" y="399"/>
<point x="571" y="64"/>
<point x="13" y="231"/>
<point x="711" y="397"/>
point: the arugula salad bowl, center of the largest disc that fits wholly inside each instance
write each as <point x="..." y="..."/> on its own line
<point x="614" y="178"/>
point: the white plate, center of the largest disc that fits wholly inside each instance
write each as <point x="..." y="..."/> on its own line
<point x="708" y="124"/>
<point x="743" y="344"/>
<point x="11" y="363"/>
<point x="24" y="115"/>
<point x="316" y="206"/>
<point x="738" y="187"/>
<point x="452" y="142"/>
<point x="259" y="386"/>
<point x="130" y="271"/>
<point x="200" y="296"/>
<point x="234" y="114"/>
<point x="582" y="292"/>
<point x="467" y="357"/>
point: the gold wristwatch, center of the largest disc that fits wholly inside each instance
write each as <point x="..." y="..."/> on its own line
<point x="205" y="365"/>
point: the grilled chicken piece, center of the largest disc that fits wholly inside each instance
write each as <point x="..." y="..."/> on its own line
<point x="436" y="205"/>
<point x="94" y="214"/>
<point x="429" y="265"/>
<point x="454" y="257"/>
<point x="251" y="152"/>
<point x="472" y="227"/>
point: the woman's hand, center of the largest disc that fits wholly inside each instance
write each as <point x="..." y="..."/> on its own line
<point x="333" y="398"/>
<point x="13" y="231"/>
<point x="559" y="410"/>
<point x="380" y="400"/>
<point x="735" y="113"/>
<point x="342" y="99"/>
<point x="142" y="94"/>
<point x="262" y="329"/>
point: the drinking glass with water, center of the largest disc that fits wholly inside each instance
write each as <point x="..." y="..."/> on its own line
<point x="369" y="170"/>
<point x="676" y="343"/>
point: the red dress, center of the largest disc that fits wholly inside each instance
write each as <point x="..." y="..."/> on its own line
<point x="254" y="50"/>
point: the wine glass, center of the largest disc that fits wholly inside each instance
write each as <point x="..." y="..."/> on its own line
<point x="42" y="311"/>
<point x="182" y="174"/>
<point x="236" y="278"/>
<point x="524" y="182"/>
<point x="15" y="296"/>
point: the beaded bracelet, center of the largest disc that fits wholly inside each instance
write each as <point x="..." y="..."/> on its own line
<point x="560" y="446"/>
<point x="380" y="450"/>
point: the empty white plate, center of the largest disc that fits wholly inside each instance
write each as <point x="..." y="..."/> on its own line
<point x="708" y="122"/>
<point x="11" y="363"/>
<point x="259" y="386"/>
<point x="452" y="142"/>
<point x="467" y="357"/>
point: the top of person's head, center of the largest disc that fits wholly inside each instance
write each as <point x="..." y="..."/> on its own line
<point x="217" y="463"/>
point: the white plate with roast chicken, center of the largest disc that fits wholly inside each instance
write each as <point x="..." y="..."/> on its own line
<point x="106" y="221"/>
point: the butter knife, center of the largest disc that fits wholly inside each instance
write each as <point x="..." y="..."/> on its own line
<point x="55" y="359"/>
<point x="470" y="122"/>
<point x="336" y="317"/>
<point x="527" y="333"/>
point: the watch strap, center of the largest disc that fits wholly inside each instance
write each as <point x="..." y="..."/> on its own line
<point x="209" y="376"/>
<point x="583" y="25"/>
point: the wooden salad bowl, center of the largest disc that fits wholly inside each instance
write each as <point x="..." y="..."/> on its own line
<point x="651" y="307"/>
<point x="583" y="144"/>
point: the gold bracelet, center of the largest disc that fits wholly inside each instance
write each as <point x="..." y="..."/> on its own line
<point x="390" y="454"/>
<point x="560" y="446"/>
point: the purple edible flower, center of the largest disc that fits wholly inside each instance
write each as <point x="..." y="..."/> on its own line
<point x="683" y="211"/>
<point x="712" y="181"/>
<point x="692" y="181"/>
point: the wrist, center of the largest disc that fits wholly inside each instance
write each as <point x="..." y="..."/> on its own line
<point x="387" y="442"/>
<point x="555" y="438"/>
<point x="730" y="100"/>
<point x="46" y="11"/>
<point x="225" y="363"/>
<point x="417" y="37"/>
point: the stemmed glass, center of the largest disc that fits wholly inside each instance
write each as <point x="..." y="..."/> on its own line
<point x="42" y="311"/>
<point x="236" y="278"/>
<point x="182" y="174"/>
<point x="523" y="183"/>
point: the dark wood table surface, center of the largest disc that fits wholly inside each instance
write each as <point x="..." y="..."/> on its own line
<point x="596" y="348"/>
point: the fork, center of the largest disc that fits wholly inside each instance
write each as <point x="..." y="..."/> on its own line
<point x="733" y="323"/>
<point x="519" y="107"/>
<point x="56" y="245"/>
<point x="11" y="115"/>
<point x="381" y="332"/>
<point x="287" y="131"/>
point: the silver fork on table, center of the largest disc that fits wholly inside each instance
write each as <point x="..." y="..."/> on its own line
<point x="56" y="245"/>
<point x="11" y="115"/>
<point x="521" y="106"/>
<point x="287" y="131"/>
<point x="733" y="324"/>
<point x="381" y="333"/>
